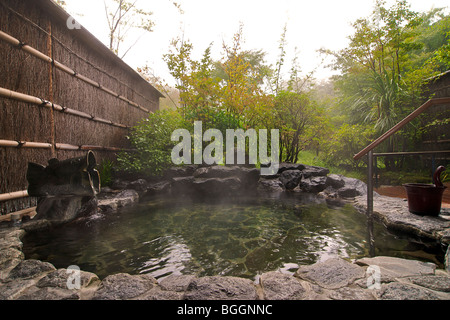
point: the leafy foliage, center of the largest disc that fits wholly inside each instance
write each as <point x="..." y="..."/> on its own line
<point x="106" y="172"/>
<point x="295" y="114"/>
<point x="122" y="16"/>
<point x="391" y="57"/>
<point x="151" y="139"/>
<point x="346" y="142"/>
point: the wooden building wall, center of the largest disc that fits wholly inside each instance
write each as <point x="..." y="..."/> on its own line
<point x="438" y="137"/>
<point x="79" y="95"/>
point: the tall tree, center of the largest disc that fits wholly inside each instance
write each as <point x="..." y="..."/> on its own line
<point x="123" y="16"/>
<point x="277" y="78"/>
<point x="225" y="93"/>
<point x="295" y="114"/>
<point x="381" y="75"/>
<point x="61" y="3"/>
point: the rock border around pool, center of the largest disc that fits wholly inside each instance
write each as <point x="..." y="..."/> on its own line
<point x="378" y="278"/>
<point x="229" y="180"/>
<point x="394" y="214"/>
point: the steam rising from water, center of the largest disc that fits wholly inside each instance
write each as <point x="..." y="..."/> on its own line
<point x="241" y="237"/>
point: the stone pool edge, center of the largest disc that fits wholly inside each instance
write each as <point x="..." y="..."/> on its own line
<point x="394" y="214"/>
<point x="333" y="279"/>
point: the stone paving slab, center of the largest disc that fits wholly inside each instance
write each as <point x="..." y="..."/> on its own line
<point x="395" y="215"/>
<point x="279" y="286"/>
<point x="221" y="288"/>
<point x="123" y="286"/>
<point x="391" y="267"/>
<point x="331" y="274"/>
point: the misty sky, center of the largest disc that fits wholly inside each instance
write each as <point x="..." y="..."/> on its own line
<point x="311" y="25"/>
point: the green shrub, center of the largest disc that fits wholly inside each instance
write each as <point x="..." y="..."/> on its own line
<point x="106" y="172"/>
<point x="151" y="139"/>
<point x="346" y="142"/>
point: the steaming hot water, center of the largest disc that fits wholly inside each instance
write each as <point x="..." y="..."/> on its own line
<point x="240" y="237"/>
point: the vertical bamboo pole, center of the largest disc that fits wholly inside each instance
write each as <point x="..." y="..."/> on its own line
<point x="50" y="89"/>
<point x="370" y="238"/>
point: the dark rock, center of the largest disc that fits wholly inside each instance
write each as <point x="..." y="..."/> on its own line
<point x="216" y="172"/>
<point x="217" y="186"/>
<point x="271" y="176"/>
<point x="106" y="190"/>
<point x="359" y="187"/>
<point x="290" y="178"/>
<point x="314" y="184"/>
<point x="181" y="171"/>
<point x="119" y="184"/>
<point x="290" y="166"/>
<point x="249" y="176"/>
<point x="140" y="185"/>
<point x="313" y="171"/>
<point x="335" y="181"/>
<point x="158" y="188"/>
<point x="270" y="185"/>
<point x="63" y="209"/>
<point x="182" y="185"/>
<point x="217" y="180"/>
<point x="344" y="187"/>
<point x="347" y="192"/>
<point x="75" y="176"/>
<point x="36" y="225"/>
<point x="121" y="199"/>
<point x="330" y="193"/>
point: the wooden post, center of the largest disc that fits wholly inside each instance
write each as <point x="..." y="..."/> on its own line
<point x="370" y="204"/>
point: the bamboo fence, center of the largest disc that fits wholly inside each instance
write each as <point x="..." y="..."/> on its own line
<point x="62" y="93"/>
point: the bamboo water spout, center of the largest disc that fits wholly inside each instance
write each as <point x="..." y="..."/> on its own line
<point x="76" y="176"/>
<point x="65" y="189"/>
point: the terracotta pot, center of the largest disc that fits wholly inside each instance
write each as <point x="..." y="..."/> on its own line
<point x="426" y="199"/>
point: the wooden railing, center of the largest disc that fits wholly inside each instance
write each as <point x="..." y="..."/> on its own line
<point x="401" y="124"/>
<point x="369" y="149"/>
